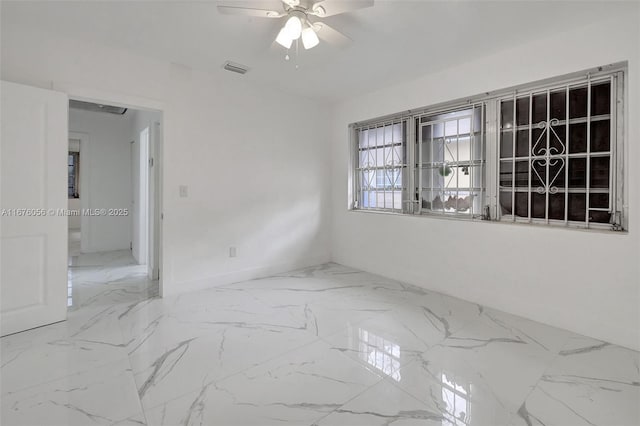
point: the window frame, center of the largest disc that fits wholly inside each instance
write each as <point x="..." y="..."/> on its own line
<point x="490" y="101"/>
<point x="356" y="201"/>
<point x="615" y="180"/>
<point x="473" y="162"/>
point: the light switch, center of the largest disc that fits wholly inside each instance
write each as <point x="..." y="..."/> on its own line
<point x="232" y="252"/>
<point x="184" y="191"/>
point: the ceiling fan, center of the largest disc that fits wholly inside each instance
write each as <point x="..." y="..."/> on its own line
<point x="298" y="13"/>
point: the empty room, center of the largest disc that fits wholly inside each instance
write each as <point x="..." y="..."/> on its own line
<point x="319" y="212"/>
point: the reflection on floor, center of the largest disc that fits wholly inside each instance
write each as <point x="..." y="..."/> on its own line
<point x="321" y="346"/>
<point x="105" y="279"/>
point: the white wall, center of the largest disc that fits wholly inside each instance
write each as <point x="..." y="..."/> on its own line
<point x="254" y="159"/>
<point x="588" y="282"/>
<point x="105" y="178"/>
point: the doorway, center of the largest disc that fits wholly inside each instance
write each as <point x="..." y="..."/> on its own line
<point x="113" y="189"/>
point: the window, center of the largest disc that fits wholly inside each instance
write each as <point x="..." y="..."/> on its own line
<point x="450" y="162"/>
<point x="546" y="153"/>
<point x="557" y="154"/>
<point x="381" y="166"/>
<point x="73" y="175"/>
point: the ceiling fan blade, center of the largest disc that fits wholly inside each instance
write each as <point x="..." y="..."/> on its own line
<point x="247" y="11"/>
<point x="331" y="35"/>
<point x="334" y="7"/>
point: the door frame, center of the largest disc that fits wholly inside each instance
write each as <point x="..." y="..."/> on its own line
<point x="139" y="103"/>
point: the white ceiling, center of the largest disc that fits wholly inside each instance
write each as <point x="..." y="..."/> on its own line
<point x="394" y="40"/>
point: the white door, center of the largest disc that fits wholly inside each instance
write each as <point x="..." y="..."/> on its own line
<point x="33" y="232"/>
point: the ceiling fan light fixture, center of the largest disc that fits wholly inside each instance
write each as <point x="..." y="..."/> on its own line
<point x="294" y="27"/>
<point x="309" y="38"/>
<point x="284" y="39"/>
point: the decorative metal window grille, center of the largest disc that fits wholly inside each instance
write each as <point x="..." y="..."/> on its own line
<point x="545" y="153"/>
<point x="450" y="162"/>
<point x="558" y="154"/>
<point x="381" y="166"/>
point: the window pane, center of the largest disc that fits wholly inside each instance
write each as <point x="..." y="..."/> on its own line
<point x="600" y="136"/>
<point x="559" y="105"/>
<point x="506" y="114"/>
<point x="577" y="206"/>
<point x="578" y="102"/>
<point x="601" y="98"/>
<point x="505" y="202"/>
<point x="522" y="111"/>
<point x="556" y="176"/>
<point x="427" y="178"/>
<point x="432" y="200"/>
<point x="506" y="144"/>
<point x="599" y="172"/>
<point x="522" y="143"/>
<point x="577" y="172"/>
<point x="599" y="216"/>
<point x="363" y="138"/>
<point x="538" y="141"/>
<point x="427" y="133"/>
<point x="457" y="149"/>
<point x="464" y="148"/>
<point x="538" y="202"/>
<point x="450" y="201"/>
<point x="522" y="206"/>
<point x="538" y="174"/>
<point x="556" y="206"/>
<point x="522" y="174"/>
<point x="578" y="138"/>
<point x="599" y="200"/>
<point x="506" y="173"/>
<point x="557" y="136"/>
<point x="539" y="108"/>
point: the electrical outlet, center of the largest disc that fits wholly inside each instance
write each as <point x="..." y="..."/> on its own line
<point x="232" y="252"/>
<point x="184" y="191"/>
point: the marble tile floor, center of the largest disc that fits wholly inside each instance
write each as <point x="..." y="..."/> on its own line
<point x="327" y="345"/>
<point x="74" y="243"/>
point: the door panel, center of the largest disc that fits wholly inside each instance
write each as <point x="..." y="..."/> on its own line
<point x="33" y="230"/>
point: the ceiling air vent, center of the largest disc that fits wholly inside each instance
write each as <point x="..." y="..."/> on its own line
<point x="233" y="67"/>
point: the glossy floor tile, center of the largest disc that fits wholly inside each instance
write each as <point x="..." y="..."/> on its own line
<point x="327" y="345"/>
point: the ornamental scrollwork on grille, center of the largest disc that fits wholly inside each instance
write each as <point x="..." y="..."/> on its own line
<point x="543" y="155"/>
